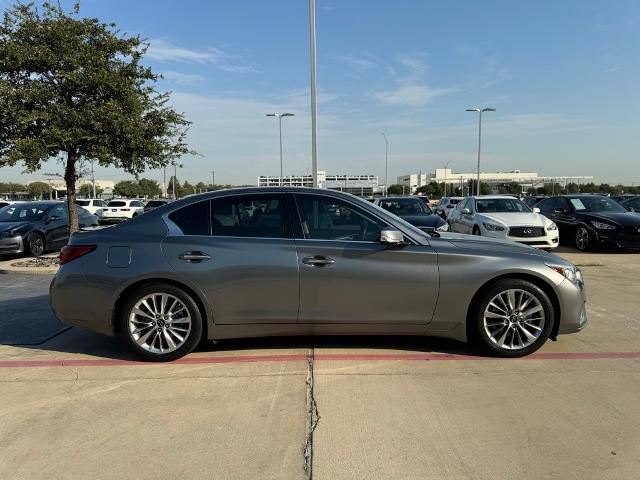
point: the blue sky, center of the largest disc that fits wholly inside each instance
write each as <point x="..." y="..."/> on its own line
<point x="563" y="77"/>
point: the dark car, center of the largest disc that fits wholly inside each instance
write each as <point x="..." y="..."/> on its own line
<point x="592" y="220"/>
<point x="415" y="211"/>
<point x="631" y="204"/>
<point x="533" y="200"/>
<point x="35" y="227"/>
<point x="151" y="204"/>
<point x="622" y="198"/>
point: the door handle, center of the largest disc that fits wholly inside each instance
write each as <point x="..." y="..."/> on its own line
<point x="194" y="257"/>
<point x="318" y="261"/>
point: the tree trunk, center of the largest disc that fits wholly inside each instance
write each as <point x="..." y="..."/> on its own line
<point x="70" y="179"/>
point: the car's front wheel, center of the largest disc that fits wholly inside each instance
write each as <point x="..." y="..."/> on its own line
<point x="514" y="318"/>
<point x="161" y="322"/>
<point x="583" y="238"/>
<point x="35" y="244"/>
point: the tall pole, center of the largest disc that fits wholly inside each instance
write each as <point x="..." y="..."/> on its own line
<point x="280" y="133"/>
<point x="213" y="178"/>
<point x="174" y="180"/>
<point x="386" y="164"/>
<point x="480" y="111"/>
<point x="446" y="166"/>
<point x="164" y="181"/>
<point x="312" y="55"/>
<point x="93" y="180"/>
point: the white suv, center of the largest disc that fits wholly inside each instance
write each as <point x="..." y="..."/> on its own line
<point x="92" y="205"/>
<point x="120" y="210"/>
<point x="446" y="206"/>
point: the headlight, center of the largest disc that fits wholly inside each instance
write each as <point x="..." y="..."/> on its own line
<point x="572" y="273"/>
<point x="443" y="228"/>
<point x="553" y="226"/>
<point x="602" y="226"/>
<point x="492" y="227"/>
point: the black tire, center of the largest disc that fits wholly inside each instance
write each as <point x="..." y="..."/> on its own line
<point x="483" y="334"/>
<point x="476" y="230"/>
<point x="583" y="238"/>
<point x="190" y="341"/>
<point x="35" y="244"/>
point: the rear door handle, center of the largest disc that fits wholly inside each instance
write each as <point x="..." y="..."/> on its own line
<point x="318" y="261"/>
<point x="194" y="257"/>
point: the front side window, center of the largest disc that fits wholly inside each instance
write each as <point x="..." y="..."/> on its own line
<point x="192" y="219"/>
<point x="326" y="218"/>
<point x="595" y="204"/>
<point x="405" y="206"/>
<point x="250" y="216"/>
<point x="59" y="212"/>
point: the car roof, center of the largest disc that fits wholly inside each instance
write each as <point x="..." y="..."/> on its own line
<point x="400" y="197"/>
<point x="494" y="197"/>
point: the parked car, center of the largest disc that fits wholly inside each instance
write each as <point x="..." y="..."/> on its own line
<point x="532" y="200"/>
<point x="4" y="203"/>
<point x="204" y="267"/>
<point x="632" y="204"/>
<point x="151" y="204"/>
<point x="92" y="205"/>
<point x="121" y="210"/>
<point x="446" y="206"/>
<point x="35" y="227"/>
<point x="622" y="198"/>
<point x="415" y="211"/>
<point x="592" y="220"/>
<point x="504" y="217"/>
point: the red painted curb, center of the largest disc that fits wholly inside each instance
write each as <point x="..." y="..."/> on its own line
<point x="318" y="357"/>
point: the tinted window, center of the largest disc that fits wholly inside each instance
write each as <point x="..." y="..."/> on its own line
<point x="192" y="219"/>
<point x="82" y="212"/>
<point x="327" y="218"/>
<point x="155" y="203"/>
<point x="463" y="204"/>
<point x="595" y="204"/>
<point x="21" y="213"/>
<point x="405" y="206"/>
<point x="549" y="204"/>
<point x="249" y="216"/>
<point x="453" y="201"/>
<point x="99" y="203"/>
<point x="83" y="203"/>
<point x="501" y="205"/>
<point x="137" y="204"/>
<point x="117" y="203"/>
<point x="59" y="211"/>
<point x="635" y="204"/>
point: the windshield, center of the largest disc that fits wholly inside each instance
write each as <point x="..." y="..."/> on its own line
<point x="21" y="213"/>
<point x="595" y="204"/>
<point x="117" y="203"/>
<point x="405" y="206"/>
<point x="501" y="205"/>
<point x="412" y="228"/>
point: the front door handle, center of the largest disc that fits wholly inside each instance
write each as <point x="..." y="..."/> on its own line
<point x="194" y="257"/>
<point x="318" y="261"/>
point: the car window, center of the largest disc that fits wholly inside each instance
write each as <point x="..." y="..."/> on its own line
<point x="137" y="204"/>
<point x="405" y="206"/>
<point x="192" y="219"/>
<point x="501" y="205"/>
<point x="250" y="216"/>
<point x="59" y="211"/>
<point x="635" y="204"/>
<point x="83" y="203"/>
<point x="326" y="218"/>
<point x="117" y="203"/>
<point x="21" y="213"/>
<point x="595" y="204"/>
<point x="462" y="204"/>
<point x="82" y="212"/>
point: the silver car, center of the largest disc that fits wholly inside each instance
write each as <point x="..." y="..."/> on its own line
<point x="294" y="261"/>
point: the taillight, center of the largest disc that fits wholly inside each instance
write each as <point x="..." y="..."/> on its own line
<point x="71" y="252"/>
<point x="125" y="209"/>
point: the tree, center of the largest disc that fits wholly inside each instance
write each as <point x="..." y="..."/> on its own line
<point x="201" y="187"/>
<point x="38" y="189"/>
<point x="86" y="190"/>
<point x="74" y="88"/>
<point x="395" y="190"/>
<point x="148" y="188"/>
<point x="433" y="189"/>
<point x="485" y="188"/>
<point x="10" y="188"/>
<point x="187" y="189"/>
<point x="531" y="191"/>
<point x="127" y="188"/>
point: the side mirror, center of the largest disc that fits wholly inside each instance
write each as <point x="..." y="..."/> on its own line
<point x="536" y="210"/>
<point x="560" y="210"/>
<point x="465" y="211"/>
<point x="391" y="236"/>
<point x="52" y="218"/>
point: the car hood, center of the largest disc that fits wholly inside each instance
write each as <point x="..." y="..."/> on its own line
<point x="494" y="245"/>
<point x="7" y="226"/>
<point x="515" y="219"/>
<point x="423" y="220"/>
<point x="626" y="219"/>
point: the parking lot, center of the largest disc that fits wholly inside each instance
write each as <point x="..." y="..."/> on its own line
<point x="77" y="405"/>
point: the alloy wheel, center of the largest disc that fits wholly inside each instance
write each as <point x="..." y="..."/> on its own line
<point x="159" y="323"/>
<point x="36" y="245"/>
<point x="582" y="238"/>
<point x="514" y="319"/>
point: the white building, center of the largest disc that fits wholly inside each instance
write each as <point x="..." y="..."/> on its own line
<point x="364" y="185"/>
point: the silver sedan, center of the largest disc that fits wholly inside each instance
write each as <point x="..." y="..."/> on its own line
<point x="269" y="261"/>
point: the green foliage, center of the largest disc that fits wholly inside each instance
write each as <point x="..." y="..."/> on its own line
<point x="75" y="88"/>
<point x="86" y="190"/>
<point x="395" y="190"/>
<point x="485" y="188"/>
<point x="10" y="188"/>
<point x="126" y="188"/>
<point x="38" y="189"/>
<point x="433" y="189"/>
<point x="148" y="188"/>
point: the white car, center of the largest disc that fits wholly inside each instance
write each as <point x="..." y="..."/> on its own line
<point x="446" y="205"/>
<point x="120" y="210"/>
<point x="92" y="205"/>
<point x="506" y="218"/>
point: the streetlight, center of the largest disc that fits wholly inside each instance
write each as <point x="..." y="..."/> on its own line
<point x="312" y="61"/>
<point x="175" y="174"/>
<point x="446" y="166"/>
<point x="386" y="163"/>
<point x="479" y="110"/>
<point x="279" y="117"/>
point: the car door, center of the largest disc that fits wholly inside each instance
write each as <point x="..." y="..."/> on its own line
<point x="57" y="226"/>
<point x="347" y="276"/>
<point x="564" y="214"/>
<point x="240" y="252"/>
<point x="467" y="220"/>
<point x="455" y="217"/>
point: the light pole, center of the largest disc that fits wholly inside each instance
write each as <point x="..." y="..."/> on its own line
<point x="446" y="166"/>
<point x="312" y="56"/>
<point x="386" y="163"/>
<point x="175" y="166"/>
<point x="479" y="110"/>
<point x="279" y="117"/>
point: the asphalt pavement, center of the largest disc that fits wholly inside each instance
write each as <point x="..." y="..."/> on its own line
<point x="77" y="405"/>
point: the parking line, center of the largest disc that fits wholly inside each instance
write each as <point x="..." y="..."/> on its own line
<point x="195" y="360"/>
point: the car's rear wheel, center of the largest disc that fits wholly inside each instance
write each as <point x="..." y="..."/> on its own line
<point x="514" y="318"/>
<point x="161" y="322"/>
<point x="583" y="238"/>
<point x="35" y="244"/>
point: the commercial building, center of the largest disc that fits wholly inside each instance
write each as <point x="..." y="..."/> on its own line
<point x="448" y="176"/>
<point x="363" y="185"/>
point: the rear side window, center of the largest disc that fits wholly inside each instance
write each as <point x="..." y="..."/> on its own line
<point x="136" y="204"/>
<point x="83" y="203"/>
<point x="117" y="203"/>
<point x="192" y="219"/>
<point x="249" y="216"/>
